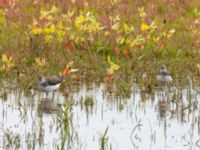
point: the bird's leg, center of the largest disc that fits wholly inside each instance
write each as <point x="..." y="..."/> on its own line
<point x="46" y="95"/>
<point x="53" y="96"/>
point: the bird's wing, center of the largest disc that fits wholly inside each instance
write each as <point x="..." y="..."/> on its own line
<point x="44" y="83"/>
<point x="54" y="80"/>
<point x="164" y="73"/>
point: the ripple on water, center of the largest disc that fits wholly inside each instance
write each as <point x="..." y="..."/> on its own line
<point x="164" y="120"/>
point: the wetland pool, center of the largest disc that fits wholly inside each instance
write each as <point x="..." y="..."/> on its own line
<point x="165" y="119"/>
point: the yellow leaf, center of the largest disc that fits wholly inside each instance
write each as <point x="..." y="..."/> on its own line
<point x="153" y="25"/>
<point x="40" y="62"/>
<point x="86" y="4"/>
<point x="50" y="29"/>
<point x="54" y="10"/>
<point x="114" y="19"/>
<point x="9" y="66"/>
<point x="4" y="58"/>
<point x="71" y="13"/>
<point x="142" y="13"/>
<point x="60" y="33"/>
<point x="3" y="68"/>
<point x="79" y="20"/>
<point x="37" y="31"/>
<point x="198" y="67"/>
<point x="73" y="1"/>
<point x="133" y="43"/>
<point x="50" y="17"/>
<point x="2" y="17"/>
<point x="155" y="39"/>
<point x="126" y="27"/>
<point x="137" y="41"/>
<point x="144" y="27"/>
<point x="60" y="25"/>
<point x="113" y="2"/>
<point x="106" y="33"/>
<point x="35" y="23"/>
<point x="90" y="30"/>
<point x="48" y="38"/>
<point x="120" y="40"/>
<point x="113" y="65"/>
<point x="70" y="64"/>
<point x="9" y="60"/>
<point x="110" y="71"/>
<point x="170" y="33"/>
<point x="43" y="14"/>
<point x="82" y="39"/>
<point x="91" y="38"/>
<point x="115" y="26"/>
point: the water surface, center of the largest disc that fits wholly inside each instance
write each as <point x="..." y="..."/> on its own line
<point x="166" y="119"/>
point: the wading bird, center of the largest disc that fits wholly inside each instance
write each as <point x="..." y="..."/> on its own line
<point x="52" y="83"/>
<point x="163" y="76"/>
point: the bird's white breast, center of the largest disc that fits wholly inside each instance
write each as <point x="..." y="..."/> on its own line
<point x="49" y="88"/>
<point x="164" y="78"/>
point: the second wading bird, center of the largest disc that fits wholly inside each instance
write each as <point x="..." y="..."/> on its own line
<point x="49" y="84"/>
<point x="52" y="83"/>
<point x="163" y="76"/>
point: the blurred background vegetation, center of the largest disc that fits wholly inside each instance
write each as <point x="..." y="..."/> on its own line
<point x="42" y="36"/>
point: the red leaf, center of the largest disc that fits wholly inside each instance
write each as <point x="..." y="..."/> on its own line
<point x="125" y="52"/>
<point x="7" y="3"/>
<point x="146" y="37"/>
<point x="69" y="45"/>
<point x="160" y="43"/>
<point x="116" y="50"/>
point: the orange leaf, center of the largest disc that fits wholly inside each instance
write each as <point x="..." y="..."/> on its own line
<point x="65" y="71"/>
<point x="125" y="52"/>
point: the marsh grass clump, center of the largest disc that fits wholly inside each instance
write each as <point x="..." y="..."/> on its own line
<point x="87" y="104"/>
<point x="4" y="96"/>
<point x="11" y="139"/>
<point x="64" y="115"/>
<point x="123" y="89"/>
<point x="103" y="139"/>
<point x="120" y="105"/>
<point x="65" y="126"/>
<point x="88" y="101"/>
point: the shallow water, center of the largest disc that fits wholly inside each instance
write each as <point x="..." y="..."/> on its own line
<point x="167" y="119"/>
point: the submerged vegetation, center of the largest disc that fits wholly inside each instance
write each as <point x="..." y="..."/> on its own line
<point x="65" y="126"/>
<point x="104" y="139"/>
<point x="11" y="140"/>
<point x="123" y="89"/>
<point x="88" y="101"/>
